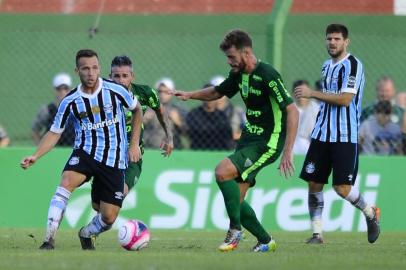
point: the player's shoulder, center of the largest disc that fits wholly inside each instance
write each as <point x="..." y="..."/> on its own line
<point x="266" y="70"/>
<point x="141" y="88"/>
<point x="111" y="85"/>
<point x="72" y="95"/>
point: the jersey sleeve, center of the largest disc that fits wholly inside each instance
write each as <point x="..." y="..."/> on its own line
<point x="127" y="99"/>
<point x="277" y="91"/>
<point x="152" y="98"/>
<point x="353" y="75"/>
<point x="229" y="87"/>
<point x="61" y="117"/>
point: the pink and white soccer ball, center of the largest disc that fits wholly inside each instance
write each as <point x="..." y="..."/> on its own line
<point x="133" y="235"/>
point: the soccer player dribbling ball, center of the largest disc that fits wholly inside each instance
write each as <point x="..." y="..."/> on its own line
<point x="270" y="131"/>
<point x="100" y="151"/>
<point x="334" y="144"/>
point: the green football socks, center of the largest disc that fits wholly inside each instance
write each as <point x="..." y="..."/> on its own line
<point x="251" y="223"/>
<point x="231" y="194"/>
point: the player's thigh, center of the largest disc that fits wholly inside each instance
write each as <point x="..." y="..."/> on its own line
<point x="226" y="170"/>
<point x="108" y="185"/>
<point x="317" y="164"/>
<point x="250" y="159"/>
<point x="71" y="180"/>
<point x="132" y="174"/>
<point x="77" y="170"/>
<point x="345" y="163"/>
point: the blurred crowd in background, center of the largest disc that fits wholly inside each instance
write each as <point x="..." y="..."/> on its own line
<point x="217" y="125"/>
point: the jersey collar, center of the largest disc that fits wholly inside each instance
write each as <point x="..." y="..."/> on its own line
<point x="83" y="94"/>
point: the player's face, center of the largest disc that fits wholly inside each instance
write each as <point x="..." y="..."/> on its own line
<point x="88" y="70"/>
<point x="122" y="75"/>
<point x="236" y="59"/>
<point x="336" y="45"/>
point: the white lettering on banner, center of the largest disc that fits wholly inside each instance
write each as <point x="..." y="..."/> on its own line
<point x="291" y="205"/>
<point x="206" y="208"/>
<point x="260" y="199"/>
<point x="170" y="198"/>
<point x="218" y="212"/>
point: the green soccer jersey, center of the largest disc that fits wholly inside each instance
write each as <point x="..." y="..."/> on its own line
<point x="265" y="98"/>
<point x="147" y="97"/>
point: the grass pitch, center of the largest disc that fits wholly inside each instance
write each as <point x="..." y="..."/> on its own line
<point x="197" y="250"/>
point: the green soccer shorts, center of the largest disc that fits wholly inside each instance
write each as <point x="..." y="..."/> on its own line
<point x="250" y="159"/>
<point x="132" y="173"/>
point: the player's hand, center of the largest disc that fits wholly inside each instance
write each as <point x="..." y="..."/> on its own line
<point x="134" y="153"/>
<point x="286" y="167"/>
<point x="181" y="94"/>
<point x="27" y="162"/>
<point x="166" y="146"/>
<point x="302" y="91"/>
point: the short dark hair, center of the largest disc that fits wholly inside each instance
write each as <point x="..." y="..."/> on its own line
<point x="384" y="107"/>
<point x="300" y="82"/>
<point x="238" y="38"/>
<point x="121" y="60"/>
<point x="85" y="53"/>
<point x="337" y="28"/>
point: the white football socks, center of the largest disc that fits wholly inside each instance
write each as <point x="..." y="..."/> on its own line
<point x="56" y="209"/>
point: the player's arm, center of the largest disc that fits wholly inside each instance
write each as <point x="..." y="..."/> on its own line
<point x="46" y="144"/>
<point x="134" y="152"/>
<point x="205" y="94"/>
<point x="342" y="99"/>
<point x="167" y="142"/>
<point x="286" y="166"/>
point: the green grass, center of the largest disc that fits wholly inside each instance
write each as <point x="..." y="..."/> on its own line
<point x="197" y="250"/>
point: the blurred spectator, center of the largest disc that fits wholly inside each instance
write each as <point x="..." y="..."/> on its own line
<point x="4" y="139"/>
<point x="378" y="134"/>
<point x="209" y="128"/>
<point x="385" y="91"/>
<point x="308" y="110"/>
<point x="401" y="100"/>
<point x="153" y="133"/>
<point x="44" y="119"/>
<point x="235" y="114"/>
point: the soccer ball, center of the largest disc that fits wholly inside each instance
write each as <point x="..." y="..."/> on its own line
<point x="133" y="235"/>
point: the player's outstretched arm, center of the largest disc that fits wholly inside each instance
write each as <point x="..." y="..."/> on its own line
<point x="46" y="144"/>
<point x="134" y="151"/>
<point x="167" y="142"/>
<point x="205" y="94"/>
<point x="342" y="99"/>
<point x="286" y="165"/>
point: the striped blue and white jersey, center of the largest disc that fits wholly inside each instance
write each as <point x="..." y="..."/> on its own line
<point x="99" y="121"/>
<point x="339" y="123"/>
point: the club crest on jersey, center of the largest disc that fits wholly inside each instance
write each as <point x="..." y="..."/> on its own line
<point x="247" y="163"/>
<point x="108" y="108"/>
<point x="310" y="167"/>
<point x="73" y="161"/>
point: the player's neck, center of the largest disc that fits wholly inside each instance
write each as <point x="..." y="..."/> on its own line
<point x="251" y="64"/>
<point x="90" y="90"/>
<point x="339" y="58"/>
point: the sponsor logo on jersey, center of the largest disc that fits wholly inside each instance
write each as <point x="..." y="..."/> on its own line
<point x="351" y="82"/>
<point x="102" y="124"/>
<point x="73" y="161"/>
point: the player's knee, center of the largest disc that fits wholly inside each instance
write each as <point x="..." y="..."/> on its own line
<point x="96" y="207"/>
<point x="341" y="190"/>
<point x="109" y="218"/>
<point x="220" y="173"/>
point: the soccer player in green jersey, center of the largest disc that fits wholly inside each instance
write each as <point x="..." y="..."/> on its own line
<point x="270" y="131"/>
<point x="122" y="73"/>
